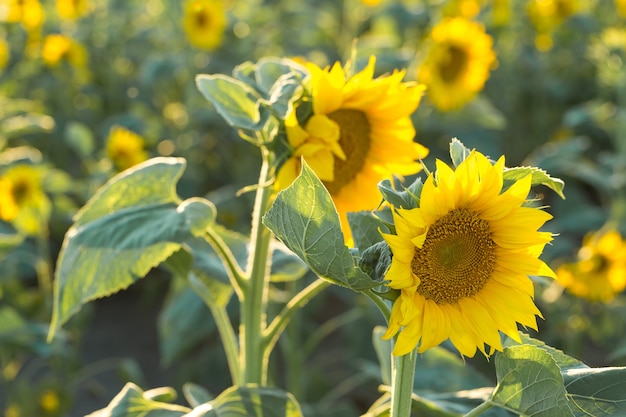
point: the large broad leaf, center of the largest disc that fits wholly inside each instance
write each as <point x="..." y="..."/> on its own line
<point x="304" y="218"/>
<point x="530" y="383"/>
<point x="132" y="401"/>
<point x="250" y="401"/>
<point x="539" y="177"/>
<point x="132" y="224"/>
<point x="590" y="391"/>
<point x="596" y="392"/>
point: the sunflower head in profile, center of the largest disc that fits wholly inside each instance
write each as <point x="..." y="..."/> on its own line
<point x="462" y="260"/>
<point x="357" y="133"/>
<point x="72" y="9"/>
<point x="204" y="22"/>
<point x="458" y="63"/>
<point x="23" y="201"/>
<point x="599" y="272"/>
<point x="125" y="148"/>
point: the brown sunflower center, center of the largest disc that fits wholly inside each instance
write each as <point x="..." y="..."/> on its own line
<point x="454" y="64"/>
<point x="354" y="139"/>
<point x="21" y="191"/>
<point x="202" y="18"/>
<point x="456" y="259"/>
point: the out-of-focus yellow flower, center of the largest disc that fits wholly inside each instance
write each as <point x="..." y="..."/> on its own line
<point x="5" y="53"/>
<point x="599" y="272"/>
<point x="371" y="3"/>
<point x="49" y="402"/>
<point x="359" y="133"/>
<point x="620" y="5"/>
<point x="462" y="260"/>
<point x="608" y="52"/>
<point x="457" y="64"/>
<point x="463" y="8"/>
<point x="22" y="199"/>
<point x="204" y="22"/>
<point x="57" y="48"/>
<point x="72" y="9"/>
<point x="547" y="15"/>
<point x="29" y="13"/>
<point x="125" y="148"/>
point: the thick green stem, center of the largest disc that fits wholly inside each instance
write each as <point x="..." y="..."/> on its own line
<point x="479" y="410"/>
<point x="403" y="371"/>
<point x="254" y="303"/>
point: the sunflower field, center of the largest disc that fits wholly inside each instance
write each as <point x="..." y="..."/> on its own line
<point x="338" y="208"/>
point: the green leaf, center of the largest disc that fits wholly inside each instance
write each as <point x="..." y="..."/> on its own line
<point x="365" y="226"/>
<point x="539" y="177"/>
<point x="458" y="152"/>
<point x="131" y="225"/>
<point x="408" y="198"/>
<point x="304" y="218"/>
<point x="562" y="360"/>
<point x="596" y="391"/>
<point x="250" y="401"/>
<point x="184" y="321"/>
<point x="285" y="265"/>
<point x="195" y="394"/>
<point x="132" y="401"/>
<point x="234" y="100"/>
<point x="383" y="350"/>
<point x="79" y="137"/>
<point x="529" y="383"/>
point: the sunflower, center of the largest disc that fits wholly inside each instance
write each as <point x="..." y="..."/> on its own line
<point x="204" y="22"/>
<point x="547" y="15"/>
<point x="57" y="48"/>
<point x="501" y="12"/>
<point x="5" y="53"/>
<point x="72" y="9"/>
<point x="599" y="272"/>
<point x="22" y="199"/>
<point x="29" y="13"/>
<point x="621" y="7"/>
<point x="462" y="259"/>
<point x="125" y="148"/>
<point x="463" y="8"/>
<point x="358" y="133"/>
<point x="458" y="63"/>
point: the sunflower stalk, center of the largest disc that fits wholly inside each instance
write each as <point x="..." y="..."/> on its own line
<point x="403" y="372"/>
<point x="254" y="302"/>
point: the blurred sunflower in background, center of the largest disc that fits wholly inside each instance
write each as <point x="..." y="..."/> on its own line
<point x="204" y="22"/>
<point x="358" y="132"/>
<point x="29" y="13"/>
<point x="59" y="48"/>
<point x="457" y="64"/>
<point x="125" y="148"/>
<point x="72" y="9"/>
<point x="463" y="8"/>
<point x="23" y="201"/>
<point x="462" y="260"/>
<point x="5" y="53"/>
<point x="547" y="15"/>
<point x="621" y="7"/>
<point x="599" y="272"/>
